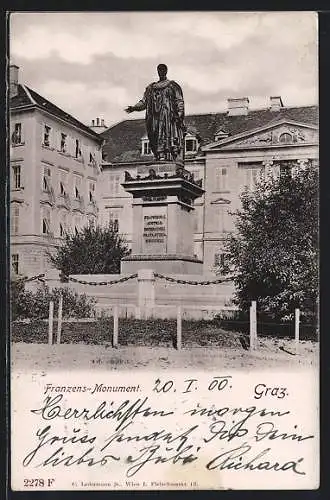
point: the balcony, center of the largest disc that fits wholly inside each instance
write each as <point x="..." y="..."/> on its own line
<point x="47" y="195"/>
<point x="63" y="200"/>
<point x="78" y="203"/>
<point x="92" y="208"/>
<point x="16" y="140"/>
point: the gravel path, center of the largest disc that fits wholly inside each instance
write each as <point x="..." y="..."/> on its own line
<point x="270" y="354"/>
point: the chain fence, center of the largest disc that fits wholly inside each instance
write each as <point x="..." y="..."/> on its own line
<point x="38" y="277"/>
<point x="97" y="283"/>
<point x="65" y="277"/>
<point x="190" y="282"/>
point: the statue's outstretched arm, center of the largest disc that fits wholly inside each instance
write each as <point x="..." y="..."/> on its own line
<point x="139" y="106"/>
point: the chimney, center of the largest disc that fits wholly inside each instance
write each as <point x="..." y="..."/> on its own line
<point x="13" y="80"/>
<point x="98" y="125"/>
<point x="275" y="103"/>
<point x="238" y="106"/>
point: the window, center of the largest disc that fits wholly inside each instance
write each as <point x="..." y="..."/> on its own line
<point x="15" y="262"/>
<point x="47" y="132"/>
<point x="191" y="145"/>
<point x="15" y="219"/>
<point x="223" y="217"/>
<point x="221" y="179"/>
<point x="285" y="138"/>
<point x="17" y="177"/>
<point x="77" y="187"/>
<point x="91" y="192"/>
<point x="63" y="183"/>
<point x="146" y="147"/>
<point x="114" y="220"/>
<point x="46" y="182"/>
<point x="114" y="180"/>
<point x="46" y="228"/>
<point x="63" y="145"/>
<point x="252" y="172"/>
<point x="77" y="149"/>
<point x="92" y="159"/>
<point x="17" y="134"/>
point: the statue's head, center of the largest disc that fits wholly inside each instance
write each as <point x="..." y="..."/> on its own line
<point x="162" y="70"/>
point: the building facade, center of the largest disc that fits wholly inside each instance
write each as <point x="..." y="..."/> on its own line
<point x="54" y="171"/>
<point x="229" y="151"/>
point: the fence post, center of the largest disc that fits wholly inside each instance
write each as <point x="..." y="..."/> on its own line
<point x="52" y="279"/>
<point x="179" y="328"/>
<point x="115" y="327"/>
<point x="59" y="320"/>
<point x="50" y="322"/>
<point x="296" y="325"/>
<point x="253" y="325"/>
<point x="146" y="292"/>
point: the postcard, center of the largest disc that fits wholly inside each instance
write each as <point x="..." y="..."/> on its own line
<point x="163" y="178"/>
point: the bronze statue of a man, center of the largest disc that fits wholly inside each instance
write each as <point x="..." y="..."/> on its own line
<point x="164" y="105"/>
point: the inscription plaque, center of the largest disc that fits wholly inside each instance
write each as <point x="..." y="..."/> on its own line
<point x="154" y="230"/>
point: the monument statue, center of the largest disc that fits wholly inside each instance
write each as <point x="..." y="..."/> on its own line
<point x="164" y="105"/>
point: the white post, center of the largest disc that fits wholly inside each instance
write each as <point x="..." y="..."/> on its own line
<point x="50" y="322"/>
<point x="253" y="325"/>
<point x="296" y="325"/>
<point x="179" y="328"/>
<point x="59" y="320"/>
<point x="115" y="327"/>
<point x="137" y="312"/>
<point x="146" y="292"/>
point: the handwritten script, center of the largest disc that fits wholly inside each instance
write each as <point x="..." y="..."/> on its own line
<point x="185" y="424"/>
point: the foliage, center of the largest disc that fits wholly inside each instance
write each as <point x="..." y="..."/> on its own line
<point x="20" y="300"/>
<point x="94" y="250"/>
<point x="26" y="304"/>
<point x="274" y="250"/>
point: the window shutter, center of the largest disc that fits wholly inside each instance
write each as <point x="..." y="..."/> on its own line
<point x="22" y="132"/>
<point x="43" y="130"/>
<point x="85" y="152"/>
<point x="72" y="146"/>
<point x="51" y="138"/>
<point x="55" y="140"/>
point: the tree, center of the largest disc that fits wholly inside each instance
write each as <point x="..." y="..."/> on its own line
<point x="274" y="251"/>
<point x="93" y="250"/>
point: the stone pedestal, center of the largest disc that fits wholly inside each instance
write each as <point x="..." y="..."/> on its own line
<point x="163" y="233"/>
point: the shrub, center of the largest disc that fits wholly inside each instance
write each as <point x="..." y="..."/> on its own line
<point x="93" y="250"/>
<point x="25" y="304"/>
<point x="273" y="253"/>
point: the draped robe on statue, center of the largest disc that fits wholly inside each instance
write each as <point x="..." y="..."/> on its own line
<point x="164" y="105"/>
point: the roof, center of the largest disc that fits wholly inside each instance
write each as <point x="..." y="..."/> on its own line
<point x="123" y="140"/>
<point x="28" y="97"/>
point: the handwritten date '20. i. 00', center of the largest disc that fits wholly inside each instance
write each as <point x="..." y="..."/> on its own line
<point x="237" y="438"/>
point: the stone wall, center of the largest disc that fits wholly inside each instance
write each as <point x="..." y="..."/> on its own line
<point x="147" y="295"/>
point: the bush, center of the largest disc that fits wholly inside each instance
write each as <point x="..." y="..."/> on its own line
<point x="268" y="325"/>
<point x="273" y="253"/>
<point x="25" y="304"/>
<point x="93" y="250"/>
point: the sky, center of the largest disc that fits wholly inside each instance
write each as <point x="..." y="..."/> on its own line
<point x="95" y="64"/>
